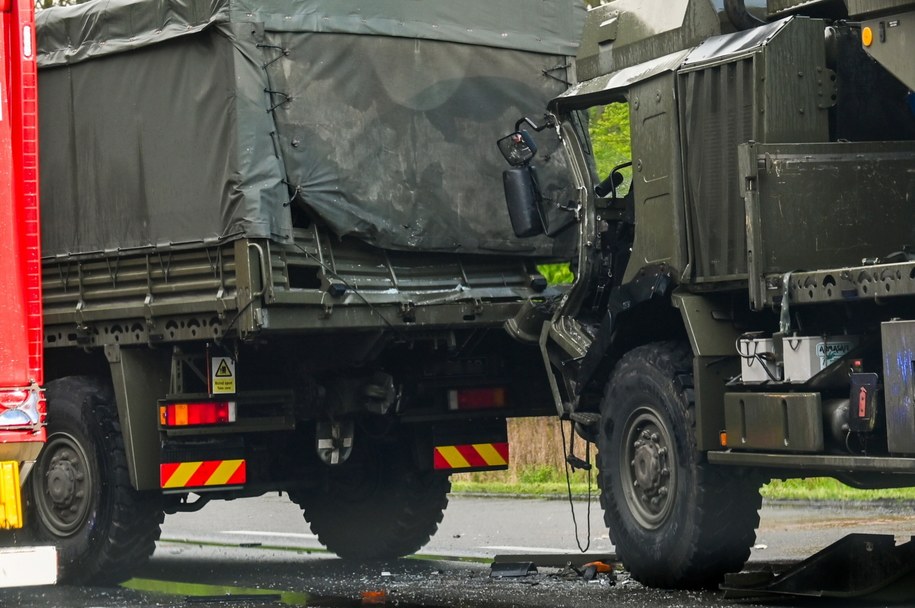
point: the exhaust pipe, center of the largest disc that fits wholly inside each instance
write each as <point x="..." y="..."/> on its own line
<point x="740" y="17"/>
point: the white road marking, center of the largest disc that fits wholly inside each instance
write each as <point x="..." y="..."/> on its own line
<point x="526" y="549"/>
<point x="276" y="534"/>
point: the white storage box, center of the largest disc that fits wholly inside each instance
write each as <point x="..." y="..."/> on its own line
<point x="806" y="356"/>
<point x="757" y="360"/>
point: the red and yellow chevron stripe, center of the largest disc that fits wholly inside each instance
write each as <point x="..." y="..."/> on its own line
<point x="471" y="456"/>
<point x="202" y="474"/>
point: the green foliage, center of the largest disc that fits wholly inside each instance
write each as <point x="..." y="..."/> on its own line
<point x="41" y="4"/>
<point x="609" y="129"/>
<point x="556" y="274"/>
<point x="541" y="474"/>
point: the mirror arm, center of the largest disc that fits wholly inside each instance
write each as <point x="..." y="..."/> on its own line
<point x="549" y="122"/>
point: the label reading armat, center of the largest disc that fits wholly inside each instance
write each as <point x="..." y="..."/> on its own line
<point x="222" y="375"/>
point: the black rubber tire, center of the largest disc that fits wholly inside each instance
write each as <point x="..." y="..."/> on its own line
<point x="376" y="506"/>
<point x="675" y="520"/>
<point x="81" y="496"/>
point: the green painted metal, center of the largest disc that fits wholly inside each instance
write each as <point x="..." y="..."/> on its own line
<point x="785" y="186"/>
<point x="625" y="33"/>
<point x="893" y="36"/>
<point x="709" y="323"/>
<point x="657" y="180"/>
<point x="710" y="377"/>
<point x="140" y="376"/>
<point x="899" y="390"/>
<point x="778" y="422"/>
<point x="806" y="465"/>
<point x="734" y="92"/>
<point x="859" y="8"/>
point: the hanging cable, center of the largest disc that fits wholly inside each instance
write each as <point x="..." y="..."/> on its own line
<point x="569" y="486"/>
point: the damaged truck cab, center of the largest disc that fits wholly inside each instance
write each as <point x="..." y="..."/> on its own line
<point x="742" y="303"/>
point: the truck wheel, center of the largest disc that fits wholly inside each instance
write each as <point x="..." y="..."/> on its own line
<point x="676" y="521"/>
<point x="81" y="496"/>
<point x="376" y="506"/>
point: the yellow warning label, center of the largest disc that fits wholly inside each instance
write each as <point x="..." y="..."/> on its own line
<point x="223" y="370"/>
<point x="223" y="375"/>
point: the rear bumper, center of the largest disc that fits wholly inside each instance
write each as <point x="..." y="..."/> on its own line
<point x="28" y="566"/>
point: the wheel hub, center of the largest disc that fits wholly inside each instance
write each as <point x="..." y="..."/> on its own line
<point x="62" y="481"/>
<point x="63" y="485"/>
<point x="647" y="464"/>
<point x="648" y="474"/>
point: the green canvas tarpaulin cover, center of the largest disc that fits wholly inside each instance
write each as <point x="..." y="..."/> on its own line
<point x="179" y="121"/>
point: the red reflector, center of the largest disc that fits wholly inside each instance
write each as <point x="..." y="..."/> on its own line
<point x="13" y="399"/>
<point x="476" y="398"/>
<point x="195" y="414"/>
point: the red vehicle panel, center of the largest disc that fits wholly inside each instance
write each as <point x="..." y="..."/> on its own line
<point x="21" y="371"/>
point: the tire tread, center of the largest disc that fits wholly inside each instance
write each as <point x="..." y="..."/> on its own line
<point x="727" y="502"/>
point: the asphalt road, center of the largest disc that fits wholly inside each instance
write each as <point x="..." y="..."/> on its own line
<point x="259" y="552"/>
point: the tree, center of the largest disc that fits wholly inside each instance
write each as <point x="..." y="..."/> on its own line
<point x="42" y="4"/>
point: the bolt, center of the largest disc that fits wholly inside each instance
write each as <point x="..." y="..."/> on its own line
<point x="662" y="491"/>
<point x="635" y="484"/>
<point x="654" y="437"/>
<point x="646" y="435"/>
<point x="662" y="451"/>
<point x="665" y="472"/>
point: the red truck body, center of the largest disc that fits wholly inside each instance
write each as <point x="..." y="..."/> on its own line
<point x="21" y="370"/>
<point x="22" y="405"/>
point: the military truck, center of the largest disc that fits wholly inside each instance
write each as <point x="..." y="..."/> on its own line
<point x="276" y="260"/>
<point x="743" y="300"/>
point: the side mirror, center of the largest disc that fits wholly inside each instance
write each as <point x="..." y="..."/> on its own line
<point x="518" y="148"/>
<point x="609" y="185"/>
<point x="523" y="201"/>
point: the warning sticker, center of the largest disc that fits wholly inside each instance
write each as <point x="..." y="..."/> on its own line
<point x="222" y="376"/>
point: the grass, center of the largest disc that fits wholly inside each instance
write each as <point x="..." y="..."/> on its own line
<point x="536" y="481"/>
<point x="538" y="470"/>
<point x="543" y="485"/>
<point x="827" y="489"/>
